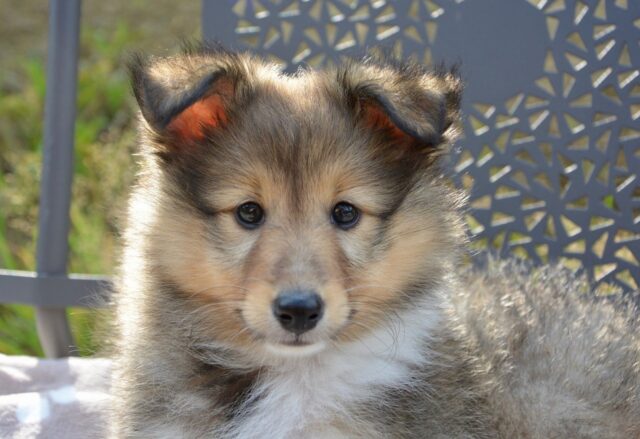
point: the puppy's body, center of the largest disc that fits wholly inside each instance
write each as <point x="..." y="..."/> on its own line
<point x="404" y="343"/>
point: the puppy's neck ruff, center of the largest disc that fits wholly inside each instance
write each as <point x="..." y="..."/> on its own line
<point x="301" y="395"/>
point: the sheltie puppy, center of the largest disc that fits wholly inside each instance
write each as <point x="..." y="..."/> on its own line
<point x="292" y="270"/>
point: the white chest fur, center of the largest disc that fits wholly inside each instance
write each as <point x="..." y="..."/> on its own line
<point x="312" y="396"/>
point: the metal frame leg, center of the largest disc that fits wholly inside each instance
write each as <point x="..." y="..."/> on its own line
<point x="57" y="167"/>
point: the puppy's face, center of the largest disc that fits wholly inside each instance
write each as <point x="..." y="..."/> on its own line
<point x="296" y="213"/>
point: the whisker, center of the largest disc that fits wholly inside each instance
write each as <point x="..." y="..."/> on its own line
<point x="391" y="349"/>
<point x="213" y="287"/>
<point x="396" y="291"/>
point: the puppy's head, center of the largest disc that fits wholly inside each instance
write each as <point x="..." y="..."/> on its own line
<point x="294" y="213"/>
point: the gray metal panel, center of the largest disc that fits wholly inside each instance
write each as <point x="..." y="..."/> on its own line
<point x="552" y="107"/>
<point x="52" y="291"/>
<point x="57" y="167"/>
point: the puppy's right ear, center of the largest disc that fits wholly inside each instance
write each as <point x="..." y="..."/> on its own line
<point x="184" y="99"/>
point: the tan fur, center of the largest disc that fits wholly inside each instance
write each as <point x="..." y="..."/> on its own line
<point x="443" y="352"/>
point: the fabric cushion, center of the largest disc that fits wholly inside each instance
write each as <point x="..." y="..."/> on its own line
<point x="65" y="398"/>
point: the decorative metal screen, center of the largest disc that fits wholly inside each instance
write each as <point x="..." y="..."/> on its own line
<point x="551" y="151"/>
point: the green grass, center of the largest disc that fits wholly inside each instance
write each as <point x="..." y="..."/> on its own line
<point x="17" y="335"/>
<point x="103" y="169"/>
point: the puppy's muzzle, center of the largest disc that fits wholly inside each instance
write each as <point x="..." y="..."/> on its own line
<point x="298" y="311"/>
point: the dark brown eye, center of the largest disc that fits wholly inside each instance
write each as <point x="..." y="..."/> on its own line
<point x="345" y="215"/>
<point x="250" y="215"/>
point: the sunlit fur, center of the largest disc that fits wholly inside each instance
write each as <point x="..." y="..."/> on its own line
<point x="410" y="344"/>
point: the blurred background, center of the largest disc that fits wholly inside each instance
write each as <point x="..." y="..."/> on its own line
<point x="104" y="133"/>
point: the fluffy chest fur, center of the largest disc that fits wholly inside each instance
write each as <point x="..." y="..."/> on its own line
<point x="322" y="396"/>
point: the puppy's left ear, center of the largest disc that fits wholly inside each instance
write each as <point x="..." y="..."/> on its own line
<point x="412" y="108"/>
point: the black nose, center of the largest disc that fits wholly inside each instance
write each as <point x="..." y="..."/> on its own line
<point x="298" y="311"/>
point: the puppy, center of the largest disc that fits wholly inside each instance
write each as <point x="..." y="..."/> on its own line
<point x="292" y="270"/>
